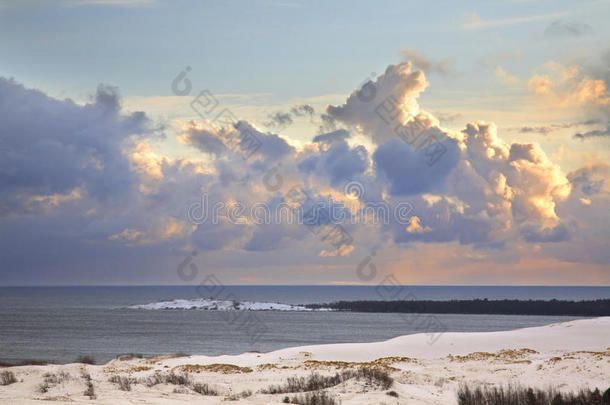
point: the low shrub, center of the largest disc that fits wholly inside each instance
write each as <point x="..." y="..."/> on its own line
<point x="513" y="395"/>
<point x="129" y="356"/>
<point x="178" y="379"/>
<point x="7" y="378"/>
<point x="375" y="376"/>
<point x="54" y="379"/>
<point x="315" y="381"/>
<point x="85" y="360"/>
<point x="33" y="363"/>
<point x="314" y="398"/>
<point x="204" y="389"/>
<point x="90" y="390"/>
<point x="123" y="382"/>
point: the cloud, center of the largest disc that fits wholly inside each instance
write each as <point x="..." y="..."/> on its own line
<point x="549" y="128"/>
<point x="562" y="28"/>
<point x="94" y="179"/>
<point x="416" y="227"/>
<point x="377" y="107"/>
<point x="591" y="180"/>
<point x="569" y="86"/>
<point x="447" y="116"/>
<point x="505" y="77"/>
<point x="235" y="141"/>
<point x="558" y="233"/>
<point x="114" y="3"/>
<point x="494" y="59"/>
<point x="303" y="110"/>
<point x="442" y="67"/>
<point x="473" y="21"/>
<point x="279" y="119"/>
<point x="343" y="250"/>
<point x="335" y="161"/>
<point x="53" y="147"/>
<point x="597" y="133"/>
<point x="340" y="135"/>
<point x="407" y="170"/>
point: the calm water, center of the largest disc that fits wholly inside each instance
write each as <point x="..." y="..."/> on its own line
<point x="59" y="323"/>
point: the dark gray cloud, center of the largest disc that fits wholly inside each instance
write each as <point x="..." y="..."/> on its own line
<point x="279" y="120"/>
<point x="331" y="137"/>
<point x="336" y="162"/>
<point x="52" y="147"/>
<point x="534" y="234"/>
<point x="408" y="170"/>
<point x="229" y="141"/>
<point x="590" y="179"/>
<point x="303" y="110"/>
<point x="328" y="123"/>
<point x="597" y="133"/>
<point x="568" y="28"/>
<point x="549" y="128"/>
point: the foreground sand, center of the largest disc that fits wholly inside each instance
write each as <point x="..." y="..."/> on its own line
<point x="567" y="356"/>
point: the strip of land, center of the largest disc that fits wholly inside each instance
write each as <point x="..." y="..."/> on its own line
<point x="599" y="307"/>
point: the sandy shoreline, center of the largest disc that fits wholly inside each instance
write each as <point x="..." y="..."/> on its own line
<point x="568" y="356"/>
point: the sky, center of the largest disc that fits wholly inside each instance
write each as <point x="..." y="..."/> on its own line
<point x="158" y="142"/>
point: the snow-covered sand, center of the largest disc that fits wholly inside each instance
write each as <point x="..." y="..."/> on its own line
<point x="222" y="305"/>
<point x="568" y="356"/>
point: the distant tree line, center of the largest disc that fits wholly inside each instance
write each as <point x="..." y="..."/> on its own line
<point x="599" y="307"/>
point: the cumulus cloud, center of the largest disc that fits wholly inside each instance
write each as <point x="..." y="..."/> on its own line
<point x="334" y="160"/>
<point x="53" y="148"/>
<point x="241" y="139"/>
<point x="378" y="107"/>
<point x="93" y="170"/>
<point x="407" y="170"/>
<point x="569" y="86"/>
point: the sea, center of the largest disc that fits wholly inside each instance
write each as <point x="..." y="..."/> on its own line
<point x="58" y="324"/>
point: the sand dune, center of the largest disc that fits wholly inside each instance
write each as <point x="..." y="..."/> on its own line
<point x="568" y="356"/>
